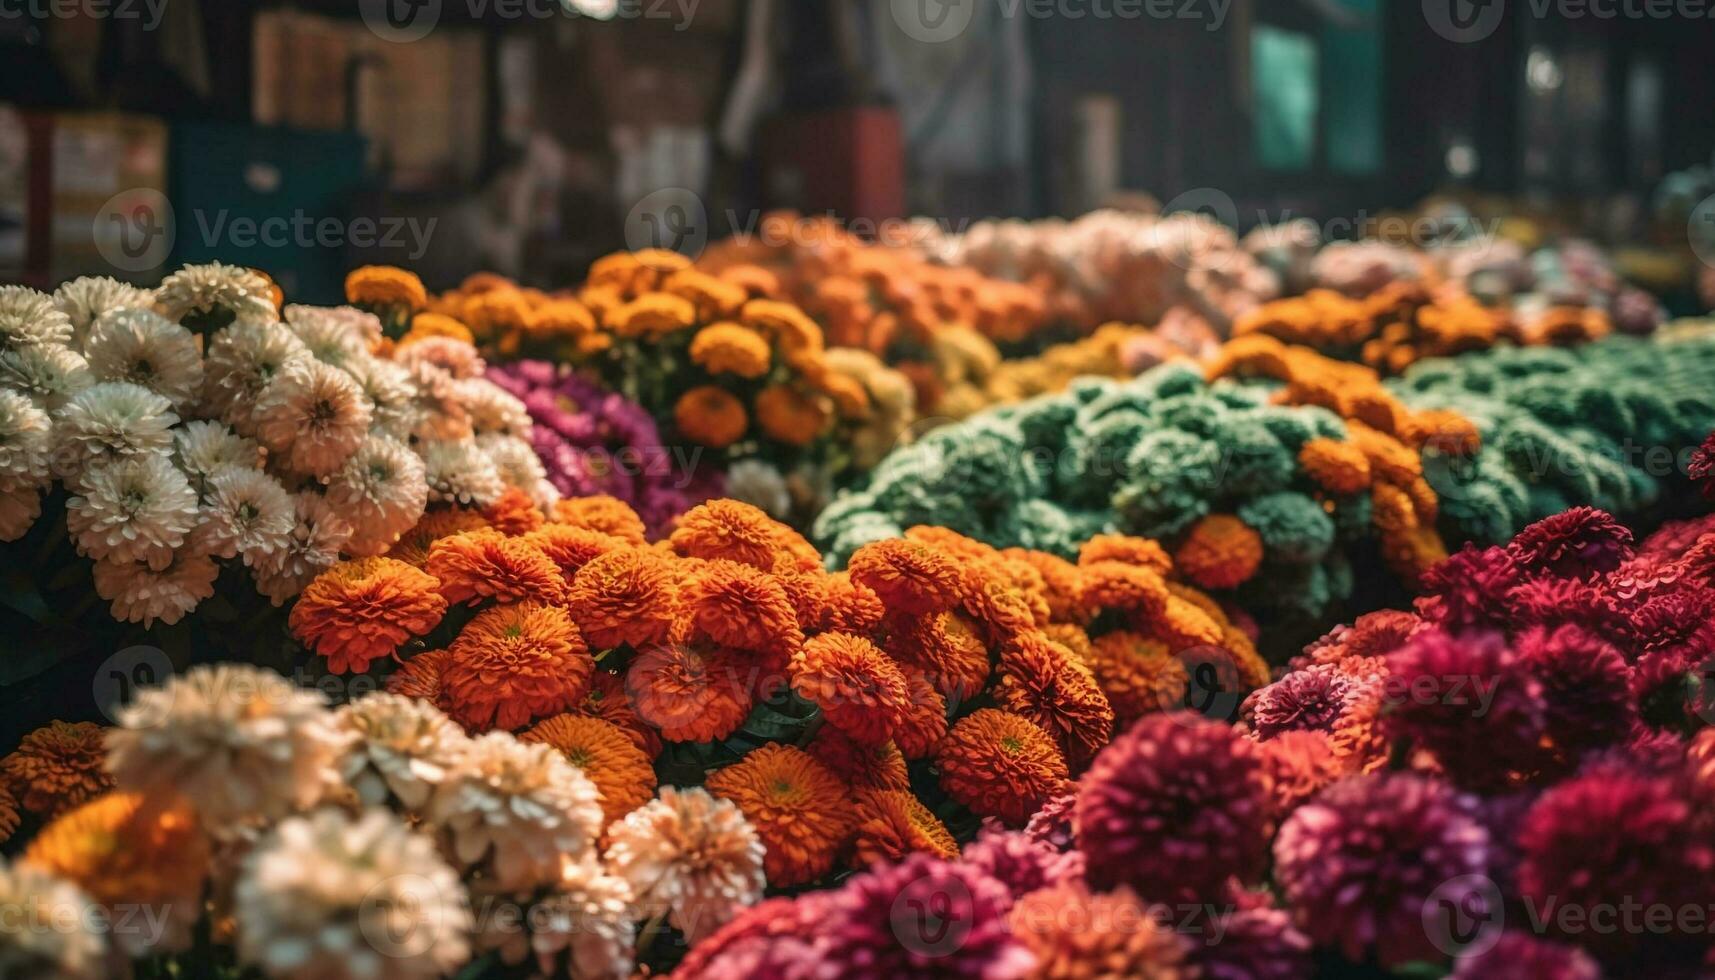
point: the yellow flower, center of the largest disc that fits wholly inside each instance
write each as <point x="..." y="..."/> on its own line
<point x="731" y="348"/>
<point x="653" y="315"/>
<point x="384" y="285"/>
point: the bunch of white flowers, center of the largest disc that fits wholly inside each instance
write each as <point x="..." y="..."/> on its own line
<point x="198" y="424"/>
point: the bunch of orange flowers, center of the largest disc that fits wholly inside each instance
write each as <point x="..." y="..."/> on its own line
<point x="852" y="716"/>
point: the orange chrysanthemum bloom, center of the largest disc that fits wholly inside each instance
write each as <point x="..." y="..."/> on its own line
<point x="731" y="348"/>
<point x="1297" y="765"/>
<point x="690" y="694"/>
<point x="603" y="513"/>
<point x="426" y="325"/>
<point x="744" y="533"/>
<point x="652" y="315"/>
<point x="384" y="285"/>
<point x="624" y="597"/>
<point x="361" y="610"/>
<point x="607" y="699"/>
<point x="892" y="825"/>
<point x="571" y="548"/>
<point x="1073" y="638"/>
<point x="1042" y="681"/>
<point x="10" y="816"/>
<point x="1138" y="592"/>
<point x="925" y="721"/>
<point x="1336" y="466"/>
<point x="1219" y="552"/>
<point x="798" y="807"/>
<point x="859" y="690"/>
<point x="849" y="606"/>
<point x="620" y="770"/>
<point x="947" y="649"/>
<point x="120" y="848"/>
<point x="1063" y="584"/>
<point x="798" y="336"/>
<point x="1075" y="934"/>
<point x="413" y="546"/>
<point x="1138" y="674"/>
<point x="1000" y="608"/>
<point x="486" y="564"/>
<point x="789" y="416"/>
<point x="513" y="663"/>
<point x="514" y="513"/>
<point x="1128" y="550"/>
<point x="711" y="416"/>
<point x="1184" y="624"/>
<point x="740" y="607"/>
<point x="911" y="579"/>
<point x="863" y="766"/>
<point x="420" y="676"/>
<point x="58" y="766"/>
<point x="757" y="282"/>
<point x="1000" y="764"/>
<point x="952" y="543"/>
<point x="714" y="298"/>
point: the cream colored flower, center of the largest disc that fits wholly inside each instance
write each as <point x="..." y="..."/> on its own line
<point x="760" y="485"/>
<point x="110" y="421"/>
<point x="517" y="809"/>
<point x="584" y="928"/>
<point x="689" y="853"/>
<point x="492" y="408"/>
<point x="47" y="375"/>
<point x="394" y="408"/>
<point x="332" y="337"/>
<point x="313" y="416"/>
<point x="136" y="509"/>
<point x="318" y="535"/>
<point x="241" y="743"/>
<point x="240" y="362"/>
<point x="203" y="448"/>
<point x="146" y="349"/>
<point x="141" y="594"/>
<point x="403" y="747"/>
<point x="459" y="472"/>
<point x="456" y="357"/>
<point x="85" y="299"/>
<point x="48" y="934"/>
<point x="519" y="466"/>
<point x="25" y="441"/>
<point x="329" y="896"/>
<point x="214" y="295"/>
<point x="30" y="319"/>
<point x="381" y="492"/>
<point x="246" y="513"/>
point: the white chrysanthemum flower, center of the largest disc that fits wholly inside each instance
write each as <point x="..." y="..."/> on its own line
<point x="519" y="809"/>
<point x="45" y="374"/>
<point x="330" y="896"/>
<point x="690" y="853"/>
<point x="519" y="466"/>
<point x="241" y="743"/>
<point x="456" y="357"/>
<point x="332" y="336"/>
<point x="213" y="296"/>
<point x="586" y="922"/>
<point x="19" y="508"/>
<point x="141" y="594"/>
<point x="25" y="434"/>
<point x="312" y="415"/>
<point x="440" y="413"/>
<point x="240" y="362"/>
<point x="461" y="473"/>
<point x="132" y="509"/>
<point x="48" y="934"/>
<point x="145" y="348"/>
<point x="85" y="299"/>
<point x="109" y="421"/>
<point x="246" y="513"/>
<point x="403" y="748"/>
<point x="203" y="448"/>
<point x="318" y="535"/>
<point x="381" y="491"/>
<point x="761" y="485"/>
<point x="492" y="408"/>
<point x="30" y="319"/>
<point x="392" y="396"/>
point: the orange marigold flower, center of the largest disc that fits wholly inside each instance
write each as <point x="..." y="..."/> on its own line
<point x="1073" y="638"/>
<point x="790" y="416"/>
<point x="652" y="315"/>
<point x="513" y="663"/>
<point x="413" y="547"/>
<point x="864" y="766"/>
<point x="1137" y="591"/>
<point x="58" y="766"/>
<point x="798" y="336"/>
<point x="1336" y="466"/>
<point x="1138" y="674"/>
<point x="1063" y="584"/>
<point x="627" y="596"/>
<point x="10" y="818"/>
<point x="1254" y="671"/>
<point x="1042" y="681"/>
<point x="426" y="325"/>
<point x="603" y="513"/>
<point x="607" y="699"/>
<point x="743" y="533"/>
<point x="850" y="606"/>
<point x="420" y="676"/>
<point x="1297" y="765"/>
<point x="620" y="770"/>
<point x="711" y="416"/>
<point x="757" y="282"/>
<point x="948" y="650"/>
<point x="122" y="848"/>
<point x="486" y="564"/>
<point x="714" y="298"/>
<point x="1219" y="552"/>
<point x="1183" y="625"/>
<point x="361" y="610"/>
<point x="951" y="542"/>
<point x="850" y="396"/>
<point x="514" y="513"/>
<point x="999" y="607"/>
<point x="1000" y="764"/>
<point x="1201" y="600"/>
<point x="1126" y="549"/>
<point x="798" y="807"/>
<point x="737" y="606"/>
<point x="384" y="285"/>
<point x="925" y="721"/>
<point x="911" y="579"/>
<point x="1075" y="934"/>
<point x="571" y="548"/>
<point x="860" y="691"/>
<point x="691" y="694"/>
<point x="892" y="825"/>
<point x="731" y="348"/>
